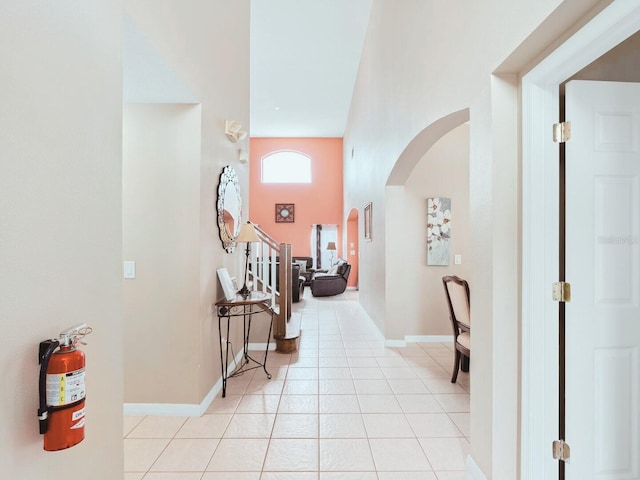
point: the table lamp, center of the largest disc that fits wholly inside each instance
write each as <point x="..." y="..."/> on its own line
<point x="248" y="235"/>
<point x="331" y="246"/>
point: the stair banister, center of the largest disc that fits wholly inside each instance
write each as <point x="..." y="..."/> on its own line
<point x="263" y="271"/>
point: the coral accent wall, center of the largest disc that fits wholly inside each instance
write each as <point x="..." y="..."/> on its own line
<point x="317" y="202"/>
<point x="353" y="254"/>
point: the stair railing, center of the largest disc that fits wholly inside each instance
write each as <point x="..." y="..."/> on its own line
<point x="263" y="261"/>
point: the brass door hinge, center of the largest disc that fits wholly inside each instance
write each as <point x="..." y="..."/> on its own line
<point x="561" y="292"/>
<point x="561" y="451"/>
<point x="561" y="132"/>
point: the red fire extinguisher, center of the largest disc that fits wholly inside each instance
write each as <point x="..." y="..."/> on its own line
<point x="62" y="393"/>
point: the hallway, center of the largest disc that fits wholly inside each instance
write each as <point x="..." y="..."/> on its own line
<point x="343" y="407"/>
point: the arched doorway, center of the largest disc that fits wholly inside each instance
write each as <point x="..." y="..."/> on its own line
<point x="352" y="252"/>
<point x="405" y="264"/>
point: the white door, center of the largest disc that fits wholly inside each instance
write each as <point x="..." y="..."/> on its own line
<point x="603" y="267"/>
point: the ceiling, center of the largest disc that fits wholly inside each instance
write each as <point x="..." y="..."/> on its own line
<point x="304" y="61"/>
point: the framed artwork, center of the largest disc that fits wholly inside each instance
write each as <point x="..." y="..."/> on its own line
<point x="438" y="230"/>
<point x="227" y="284"/>
<point x="285" y="213"/>
<point x="367" y="221"/>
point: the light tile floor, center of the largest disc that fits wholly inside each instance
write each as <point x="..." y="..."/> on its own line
<point x="343" y="407"/>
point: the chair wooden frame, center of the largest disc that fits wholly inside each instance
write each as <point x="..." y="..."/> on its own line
<point x="462" y="353"/>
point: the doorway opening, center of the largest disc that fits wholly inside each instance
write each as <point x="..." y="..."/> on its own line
<point x="352" y="249"/>
<point x="582" y="54"/>
<point x="434" y="164"/>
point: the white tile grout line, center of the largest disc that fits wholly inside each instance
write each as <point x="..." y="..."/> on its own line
<point x="338" y="332"/>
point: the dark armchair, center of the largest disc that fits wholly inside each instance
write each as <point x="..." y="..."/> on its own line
<point x="306" y="268"/>
<point x="327" y="284"/>
<point x="296" y="281"/>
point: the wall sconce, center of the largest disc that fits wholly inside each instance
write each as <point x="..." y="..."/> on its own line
<point x="233" y="131"/>
<point x="243" y="155"/>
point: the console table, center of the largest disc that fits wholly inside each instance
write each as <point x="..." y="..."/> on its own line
<point x="244" y="307"/>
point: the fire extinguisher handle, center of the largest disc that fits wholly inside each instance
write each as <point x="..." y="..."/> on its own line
<point x="45" y="346"/>
<point x="71" y="336"/>
<point x="45" y="351"/>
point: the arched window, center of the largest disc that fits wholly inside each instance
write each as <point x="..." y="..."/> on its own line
<point x="286" y="167"/>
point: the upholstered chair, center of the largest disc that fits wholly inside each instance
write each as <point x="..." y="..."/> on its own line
<point x="457" y="293"/>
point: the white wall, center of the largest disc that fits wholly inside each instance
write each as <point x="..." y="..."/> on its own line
<point x="416" y="304"/>
<point x="205" y="44"/>
<point x="442" y="172"/>
<point x="60" y="223"/>
<point x="161" y="233"/>
<point x="421" y="62"/>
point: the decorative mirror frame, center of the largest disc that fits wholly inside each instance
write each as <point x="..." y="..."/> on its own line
<point x="228" y="178"/>
<point x="285" y="213"/>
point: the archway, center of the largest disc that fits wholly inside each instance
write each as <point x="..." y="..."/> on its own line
<point x="422" y="142"/>
<point x="405" y="227"/>
<point x="352" y="251"/>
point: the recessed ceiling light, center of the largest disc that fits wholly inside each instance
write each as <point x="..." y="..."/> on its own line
<point x="277" y="108"/>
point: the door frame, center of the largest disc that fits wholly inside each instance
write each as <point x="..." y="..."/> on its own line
<point x="540" y="231"/>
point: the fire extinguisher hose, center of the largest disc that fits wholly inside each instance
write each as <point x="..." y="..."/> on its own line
<point x="46" y="350"/>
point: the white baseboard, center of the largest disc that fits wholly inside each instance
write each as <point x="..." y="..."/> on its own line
<point x="178" y="409"/>
<point x="261" y="346"/>
<point x="418" y="339"/>
<point x="164" y="409"/>
<point x="429" y="338"/>
<point x="473" y="470"/>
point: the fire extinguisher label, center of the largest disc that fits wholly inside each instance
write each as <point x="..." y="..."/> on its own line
<point x="77" y="414"/>
<point x="80" y="424"/>
<point x="65" y="388"/>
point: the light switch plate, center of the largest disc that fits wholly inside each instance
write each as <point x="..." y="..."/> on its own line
<point x="457" y="259"/>
<point x="129" y="269"/>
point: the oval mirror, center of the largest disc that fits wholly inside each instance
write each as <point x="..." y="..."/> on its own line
<point x="229" y="208"/>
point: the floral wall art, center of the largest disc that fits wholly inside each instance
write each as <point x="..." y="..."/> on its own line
<point x="438" y="230"/>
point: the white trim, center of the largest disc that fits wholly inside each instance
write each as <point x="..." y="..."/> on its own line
<point x="261" y="346"/>
<point x="429" y="338"/>
<point x="615" y="23"/>
<point x="540" y="107"/>
<point x="474" y="470"/>
<point x="161" y="409"/>
<point x="391" y="343"/>
<point x="539" y="271"/>
<point x="177" y="409"/>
